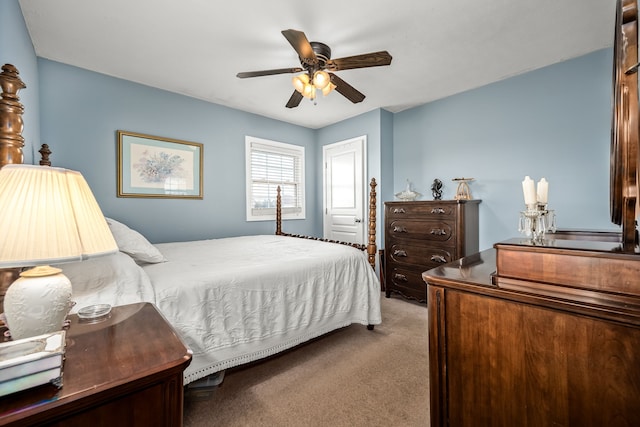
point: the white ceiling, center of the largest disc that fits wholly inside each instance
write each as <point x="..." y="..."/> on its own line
<point x="196" y="47"/>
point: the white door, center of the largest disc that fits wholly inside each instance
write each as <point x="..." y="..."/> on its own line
<point x="344" y="190"/>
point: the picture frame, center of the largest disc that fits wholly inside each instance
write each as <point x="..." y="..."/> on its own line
<point x="158" y="167"/>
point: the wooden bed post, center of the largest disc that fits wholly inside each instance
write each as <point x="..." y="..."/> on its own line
<point x="371" y="246"/>
<point x="11" y="124"/>
<point x="278" y="213"/>
<point x="11" y="143"/>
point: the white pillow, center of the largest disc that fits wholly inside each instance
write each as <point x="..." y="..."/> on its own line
<point x="111" y="279"/>
<point x="134" y="244"/>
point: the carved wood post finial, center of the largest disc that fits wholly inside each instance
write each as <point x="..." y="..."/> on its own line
<point x="44" y="152"/>
<point x="11" y="124"/>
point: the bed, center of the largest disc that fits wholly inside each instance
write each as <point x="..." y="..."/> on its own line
<point x="239" y="299"/>
<point x="233" y="300"/>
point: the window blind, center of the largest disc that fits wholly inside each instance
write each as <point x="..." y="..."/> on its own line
<point x="271" y="164"/>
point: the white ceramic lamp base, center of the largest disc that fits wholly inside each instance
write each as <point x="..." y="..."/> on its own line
<point x="37" y="303"/>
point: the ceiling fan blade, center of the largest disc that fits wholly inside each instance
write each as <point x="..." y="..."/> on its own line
<point x="300" y="43"/>
<point x="246" y="74"/>
<point x="373" y="59"/>
<point x="346" y="90"/>
<point x="295" y="99"/>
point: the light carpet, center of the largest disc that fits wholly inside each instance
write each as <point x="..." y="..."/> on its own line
<point x="350" y="377"/>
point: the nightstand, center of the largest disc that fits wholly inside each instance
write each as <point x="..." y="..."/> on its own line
<point x="125" y="370"/>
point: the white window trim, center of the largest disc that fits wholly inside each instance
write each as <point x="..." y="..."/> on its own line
<point x="269" y="214"/>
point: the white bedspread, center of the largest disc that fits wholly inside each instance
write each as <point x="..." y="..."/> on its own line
<point x="236" y="300"/>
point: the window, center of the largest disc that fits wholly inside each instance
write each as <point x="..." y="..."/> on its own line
<point x="271" y="164"/>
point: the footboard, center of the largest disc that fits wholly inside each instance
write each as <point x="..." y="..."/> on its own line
<point x="370" y="247"/>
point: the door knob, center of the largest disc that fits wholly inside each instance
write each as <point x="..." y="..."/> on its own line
<point x="358" y="220"/>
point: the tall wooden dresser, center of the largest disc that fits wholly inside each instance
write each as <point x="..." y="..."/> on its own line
<point x="421" y="235"/>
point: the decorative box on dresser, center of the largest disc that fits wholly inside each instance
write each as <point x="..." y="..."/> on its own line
<point x="421" y="235"/>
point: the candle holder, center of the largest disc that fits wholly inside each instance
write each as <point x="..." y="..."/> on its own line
<point x="463" y="192"/>
<point x="536" y="221"/>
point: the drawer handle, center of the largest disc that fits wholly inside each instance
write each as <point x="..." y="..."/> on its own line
<point x="437" y="211"/>
<point x="399" y="210"/>
<point x="438" y="258"/>
<point x="400" y="252"/>
<point x="400" y="277"/>
<point x="398" y="229"/>
<point x="438" y="232"/>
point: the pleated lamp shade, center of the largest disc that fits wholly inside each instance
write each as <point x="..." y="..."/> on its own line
<point x="49" y="216"/>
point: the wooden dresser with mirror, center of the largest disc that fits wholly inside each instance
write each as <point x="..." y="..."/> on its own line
<point x="541" y="334"/>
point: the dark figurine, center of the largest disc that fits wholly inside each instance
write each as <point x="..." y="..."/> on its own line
<point x="436" y="189"/>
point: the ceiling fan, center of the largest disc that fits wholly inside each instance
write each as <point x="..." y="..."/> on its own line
<point x="318" y="68"/>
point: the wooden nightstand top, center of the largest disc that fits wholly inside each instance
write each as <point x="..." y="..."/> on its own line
<point x="134" y="348"/>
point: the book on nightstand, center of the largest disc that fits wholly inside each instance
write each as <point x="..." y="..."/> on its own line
<point x="30" y="362"/>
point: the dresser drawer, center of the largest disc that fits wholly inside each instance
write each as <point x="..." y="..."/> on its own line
<point x="439" y="231"/>
<point x="424" y="256"/>
<point x="421" y="210"/>
<point x="407" y="282"/>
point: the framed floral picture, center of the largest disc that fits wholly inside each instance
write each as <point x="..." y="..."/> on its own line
<point x="153" y="166"/>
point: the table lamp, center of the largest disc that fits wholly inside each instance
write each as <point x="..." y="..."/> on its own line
<point x="47" y="216"/>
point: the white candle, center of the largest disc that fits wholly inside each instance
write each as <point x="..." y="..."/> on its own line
<point x="543" y="191"/>
<point x="529" y="190"/>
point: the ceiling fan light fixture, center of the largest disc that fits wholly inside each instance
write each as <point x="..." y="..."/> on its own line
<point x="328" y="88"/>
<point x="321" y="79"/>
<point x="300" y="81"/>
<point x="316" y="69"/>
<point x="309" y="91"/>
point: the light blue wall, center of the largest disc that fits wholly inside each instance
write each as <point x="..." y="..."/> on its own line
<point x="385" y="190"/>
<point x="377" y="126"/>
<point x="82" y="110"/>
<point x="553" y="122"/>
<point x="16" y="49"/>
